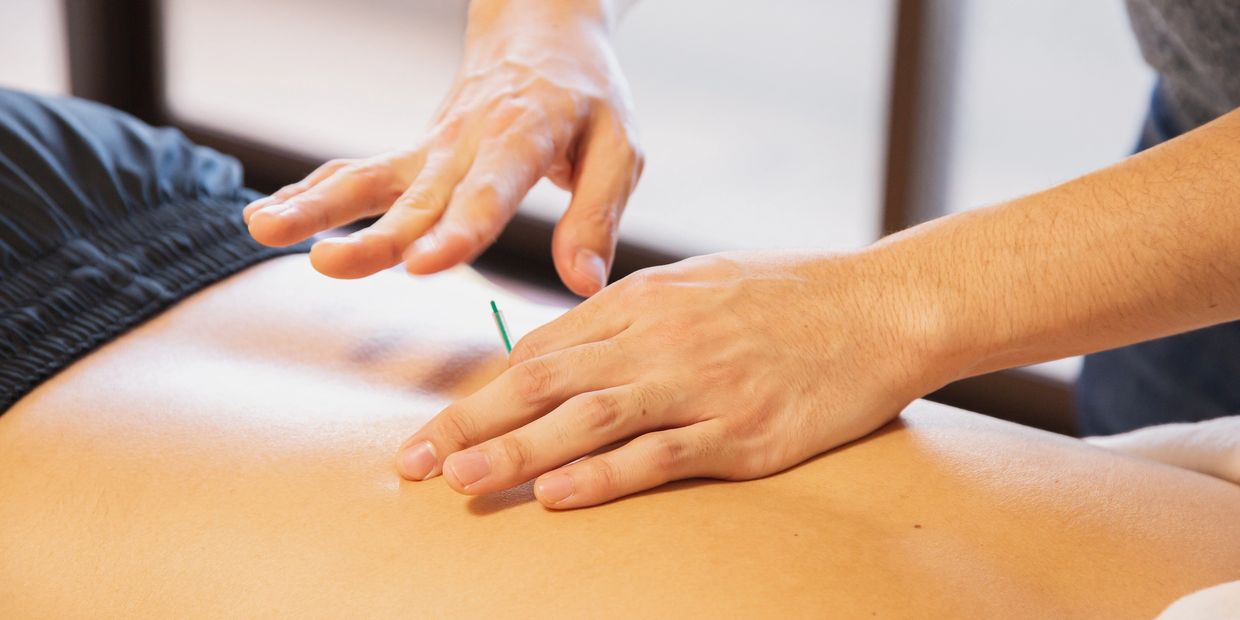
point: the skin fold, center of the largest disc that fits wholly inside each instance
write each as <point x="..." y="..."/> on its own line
<point x="232" y="458"/>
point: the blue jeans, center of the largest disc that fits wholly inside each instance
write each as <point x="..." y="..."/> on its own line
<point x="1184" y="378"/>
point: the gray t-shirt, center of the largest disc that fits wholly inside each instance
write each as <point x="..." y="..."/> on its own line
<point x="1195" y="46"/>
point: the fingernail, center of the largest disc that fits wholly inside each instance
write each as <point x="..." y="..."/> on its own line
<point x="591" y="265"/>
<point x="468" y="467"/>
<point x="417" y="461"/>
<point x="554" y="489"/>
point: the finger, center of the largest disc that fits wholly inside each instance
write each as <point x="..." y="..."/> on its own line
<point x="344" y="193"/>
<point x="644" y="463"/>
<point x="288" y="191"/>
<point x="380" y="245"/>
<point x="357" y="190"/>
<point x="506" y="168"/>
<point x="584" y="423"/>
<point x="519" y="395"/>
<point x="584" y="242"/>
<point x="597" y="318"/>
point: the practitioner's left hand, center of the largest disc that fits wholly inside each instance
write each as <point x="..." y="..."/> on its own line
<point x="730" y="366"/>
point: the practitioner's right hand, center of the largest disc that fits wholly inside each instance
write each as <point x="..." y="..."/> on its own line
<point x="539" y="94"/>
<point x="731" y="366"/>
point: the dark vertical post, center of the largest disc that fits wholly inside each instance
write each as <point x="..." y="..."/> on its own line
<point x="924" y="82"/>
<point x="114" y="54"/>
<point x="923" y="85"/>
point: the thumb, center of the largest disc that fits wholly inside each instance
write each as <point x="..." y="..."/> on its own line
<point x="584" y="244"/>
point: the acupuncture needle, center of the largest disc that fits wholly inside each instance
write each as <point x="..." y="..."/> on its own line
<point x="501" y="325"/>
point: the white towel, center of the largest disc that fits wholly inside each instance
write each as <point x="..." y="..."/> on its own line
<point x="1221" y="602"/>
<point x="1211" y="447"/>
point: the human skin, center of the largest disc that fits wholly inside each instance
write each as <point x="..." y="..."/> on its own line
<point x="218" y="462"/>
<point x="539" y="94"/>
<point x="1211" y="447"/>
<point x="738" y="365"/>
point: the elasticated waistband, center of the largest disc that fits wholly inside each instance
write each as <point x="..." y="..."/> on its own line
<point x="61" y="306"/>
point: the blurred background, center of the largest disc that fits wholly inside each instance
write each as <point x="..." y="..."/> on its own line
<point x="795" y="123"/>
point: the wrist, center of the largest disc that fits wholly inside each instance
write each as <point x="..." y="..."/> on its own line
<point x="868" y="302"/>
<point x="572" y="34"/>
<point x="930" y="331"/>
<point x="488" y="17"/>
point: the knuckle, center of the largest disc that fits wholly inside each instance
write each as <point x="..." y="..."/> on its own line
<point x="540" y="87"/>
<point x="455" y="427"/>
<point x="488" y="193"/>
<point x="325" y="170"/>
<point x="369" y="172"/>
<point x="525" y="349"/>
<point x="508" y="107"/>
<point x="421" y="200"/>
<point x="539" y="148"/>
<point x="533" y="380"/>
<point x="637" y="284"/>
<point x="604" y="218"/>
<point x="604" y="475"/>
<point x="600" y="411"/>
<point x="666" y="454"/>
<point x="515" y="452"/>
<point x="512" y="108"/>
<point x="608" y="350"/>
<point x="646" y="294"/>
<point x="651" y="395"/>
<point x="571" y="323"/>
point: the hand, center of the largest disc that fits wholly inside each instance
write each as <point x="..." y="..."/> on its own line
<point x="539" y="94"/>
<point x="731" y="366"/>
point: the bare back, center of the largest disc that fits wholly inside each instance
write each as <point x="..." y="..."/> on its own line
<point x="233" y="458"/>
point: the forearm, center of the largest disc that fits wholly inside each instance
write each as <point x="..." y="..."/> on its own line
<point x="1142" y="249"/>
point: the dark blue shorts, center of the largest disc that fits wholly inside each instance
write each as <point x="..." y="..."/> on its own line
<point x="1185" y="378"/>
<point x="104" y="222"/>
